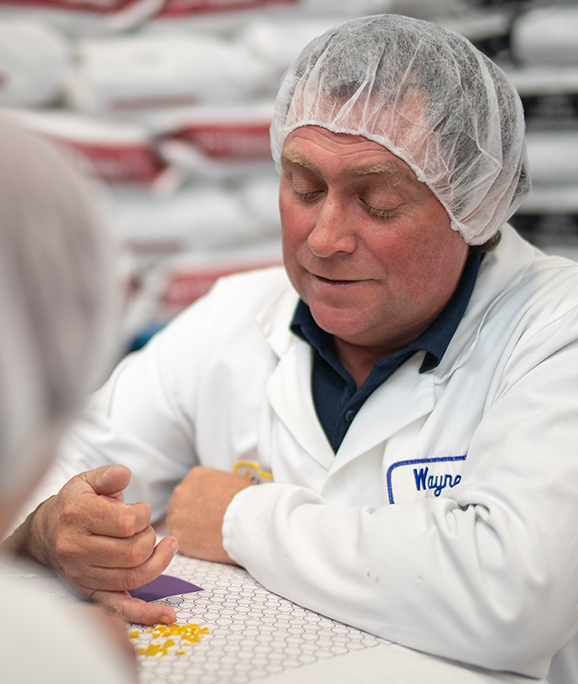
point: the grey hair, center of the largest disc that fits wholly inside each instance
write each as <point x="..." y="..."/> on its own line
<point x="58" y="297"/>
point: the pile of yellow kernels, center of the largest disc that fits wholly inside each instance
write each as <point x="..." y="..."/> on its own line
<point x="174" y="636"/>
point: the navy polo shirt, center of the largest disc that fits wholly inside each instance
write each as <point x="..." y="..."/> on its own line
<point x="335" y="395"/>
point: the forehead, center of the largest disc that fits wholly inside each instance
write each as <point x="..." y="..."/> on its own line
<point x="320" y="150"/>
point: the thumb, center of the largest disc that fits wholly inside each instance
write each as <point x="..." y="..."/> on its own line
<point x="109" y="480"/>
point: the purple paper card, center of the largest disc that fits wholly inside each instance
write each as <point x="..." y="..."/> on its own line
<point x="163" y="586"/>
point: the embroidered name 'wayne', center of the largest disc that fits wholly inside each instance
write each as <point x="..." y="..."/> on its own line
<point x="414" y="479"/>
<point x="434" y="482"/>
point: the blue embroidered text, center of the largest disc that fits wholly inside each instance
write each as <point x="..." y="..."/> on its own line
<point x="434" y="482"/>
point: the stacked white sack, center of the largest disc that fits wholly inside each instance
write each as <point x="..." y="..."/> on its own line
<point x="553" y="157"/>
<point x="230" y="15"/>
<point x="260" y="197"/>
<point x="84" y="17"/>
<point x="346" y="8"/>
<point x="547" y="35"/>
<point x="543" y="79"/>
<point x="430" y="10"/>
<point x="479" y="25"/>
<point x="197" y="217"/>
<point x="114" y="151"/>
<point x="140" y="74"/>
<point x="177" y="282"/>
<point x="211" y="15"/>
<point x="277" y="40"/>
<point x="553" y="162"/>
<point x="35" y="61"/>
<point x="218" y="142"/>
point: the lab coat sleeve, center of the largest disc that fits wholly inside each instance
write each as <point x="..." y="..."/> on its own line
<point x="487" y="575"/>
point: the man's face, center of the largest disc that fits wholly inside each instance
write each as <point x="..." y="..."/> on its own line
<point x="366" y="245"/>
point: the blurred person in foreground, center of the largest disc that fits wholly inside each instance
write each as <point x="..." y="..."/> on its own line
<point x="404" y="392"/>
<point x="58" y="307"/>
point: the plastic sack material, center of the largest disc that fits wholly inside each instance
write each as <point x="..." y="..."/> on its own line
<point x="554" y="157"/>
<point x="35" y="61"/>
<point x="547" y="35"/>
<point x="427" y="95"/>
<point x="84" y="17"/>
<point x="197" y="217"/>
<point x="216" y="142"/>
<point x="141" y="74"/>
<point x="113" y="151"/>
<point x="179" y="281"/>
<point x="59" y="300"/>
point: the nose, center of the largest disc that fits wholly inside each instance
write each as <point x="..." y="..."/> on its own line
<point x="332" y="232"/>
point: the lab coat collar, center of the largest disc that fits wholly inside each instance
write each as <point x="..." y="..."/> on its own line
<point x="289" y="387"/>
<point x="500" y="271"/>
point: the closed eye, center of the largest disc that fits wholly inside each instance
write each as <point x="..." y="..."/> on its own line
<point x="378" y="213"/>
<point x="307" y="196"/>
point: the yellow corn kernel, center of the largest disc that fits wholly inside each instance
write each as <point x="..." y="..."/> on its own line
<point x="133" y="634"/>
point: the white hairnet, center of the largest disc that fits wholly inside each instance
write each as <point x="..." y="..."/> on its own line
<point x="427" y="95"/>
<point x="58" y="300"/>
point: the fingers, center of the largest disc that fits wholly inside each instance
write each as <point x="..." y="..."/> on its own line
<point x="123" y="605"/>
<point x="108" y="480"/>
<point x="111" y="518"/>
<point x="131" y="577"/>
<point x="129" y="609"/>
<point x="112" y="552"/>
<point x="196" y="511"/>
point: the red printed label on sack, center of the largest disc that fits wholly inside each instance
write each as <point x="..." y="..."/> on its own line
<point x="131" y="163"/>
<point x="184" y="288"/>
<point x="249" y="141"/>
<point x="180" y="7"/>
<point x="101" y="6"/>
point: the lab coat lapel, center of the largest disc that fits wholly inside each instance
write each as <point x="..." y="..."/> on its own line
<point x="289" y="386"/>
<point x="500" y="271"/>
<point x="289" y="393"/>
<point x="404" y="398"/>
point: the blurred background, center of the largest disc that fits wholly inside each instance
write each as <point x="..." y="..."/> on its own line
<point x="168" y="103"/>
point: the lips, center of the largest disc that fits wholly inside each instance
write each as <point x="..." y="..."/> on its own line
<point x="332" y="281"/>
<point x="336" y="280"/>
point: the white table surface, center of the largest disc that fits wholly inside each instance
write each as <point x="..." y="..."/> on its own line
<point x="257" y="636"/>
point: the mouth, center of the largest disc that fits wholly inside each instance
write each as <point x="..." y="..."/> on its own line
<point x="335" y="282"/>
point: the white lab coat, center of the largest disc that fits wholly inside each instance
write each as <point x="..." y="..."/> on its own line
<point x="478" y="558"/>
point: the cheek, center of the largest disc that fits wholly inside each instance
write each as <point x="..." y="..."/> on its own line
<point x="294" y="221"/>
<point x="424" y="257"/>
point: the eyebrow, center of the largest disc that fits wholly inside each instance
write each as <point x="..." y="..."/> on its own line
<point x="386" y="168"/>
<point x="288" y="157"/>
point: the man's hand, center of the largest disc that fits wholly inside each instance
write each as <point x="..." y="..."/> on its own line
<point x="196" y="511"/>
<point x="98" y="544"/>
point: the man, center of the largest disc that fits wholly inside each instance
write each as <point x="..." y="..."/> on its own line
<point x="405" y="391"/>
